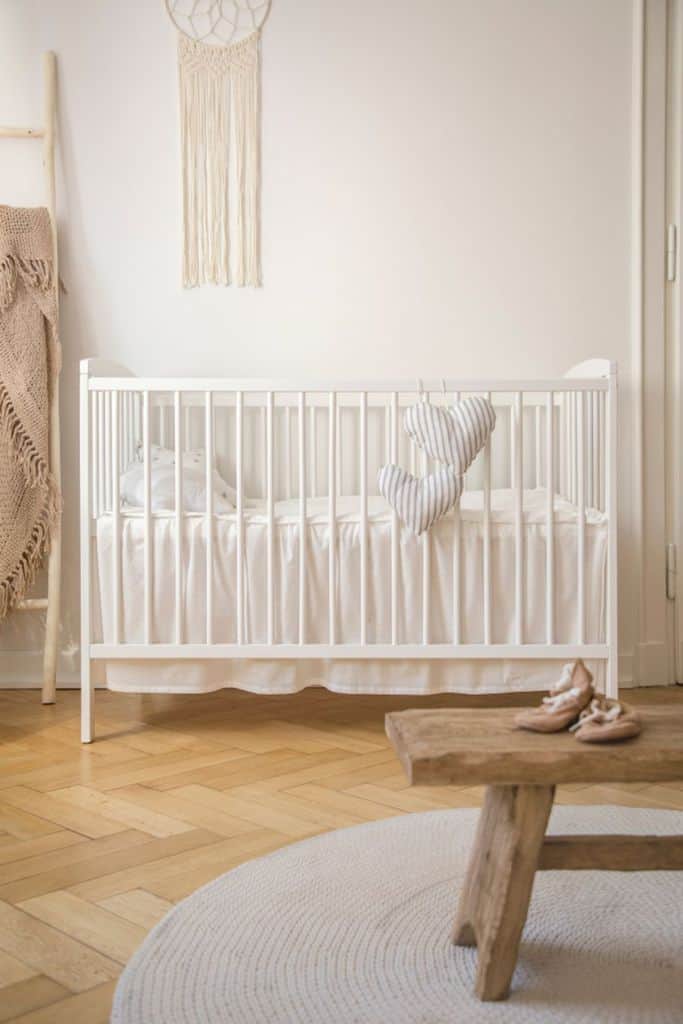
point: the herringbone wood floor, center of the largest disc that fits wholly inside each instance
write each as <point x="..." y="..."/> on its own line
<point x="96" y="843"/>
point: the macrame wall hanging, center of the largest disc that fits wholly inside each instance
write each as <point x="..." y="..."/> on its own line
<point x="219" y="75"/>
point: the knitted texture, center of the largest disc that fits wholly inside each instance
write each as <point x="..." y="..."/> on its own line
<point x="29" y="365"/>
<point x="220" y="115"/>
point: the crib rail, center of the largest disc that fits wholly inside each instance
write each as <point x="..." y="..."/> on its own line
<point x="326" y="440"/>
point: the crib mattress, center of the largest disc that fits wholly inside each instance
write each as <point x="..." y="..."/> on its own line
<point x="373" y="676"/>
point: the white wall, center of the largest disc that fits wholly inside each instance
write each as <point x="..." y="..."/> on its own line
<point x="446" y="191"/>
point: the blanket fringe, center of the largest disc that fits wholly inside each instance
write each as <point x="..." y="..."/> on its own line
<point x="30" y="502"/>
<point x="35" y="273"/>
<point x="34" y="466"/>
<point x="14" y="587"/>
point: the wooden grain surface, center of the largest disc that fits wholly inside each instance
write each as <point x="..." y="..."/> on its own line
<point x="176" y="791"/>
<point x="481" y="746"/>
<point x="611" y="853"/>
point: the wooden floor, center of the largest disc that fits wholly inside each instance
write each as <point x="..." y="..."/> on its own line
<point x="97" y="843"/>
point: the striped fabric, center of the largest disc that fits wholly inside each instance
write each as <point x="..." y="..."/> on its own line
<point x="453" y="436"/>
<point x="419" y="503"/>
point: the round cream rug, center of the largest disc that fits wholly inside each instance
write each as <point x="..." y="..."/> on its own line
<point x="352" y="927"/>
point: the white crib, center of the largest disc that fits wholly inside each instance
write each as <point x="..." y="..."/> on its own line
<point x="312" y="568"/>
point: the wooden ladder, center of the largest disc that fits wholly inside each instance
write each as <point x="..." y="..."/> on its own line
<point x="50" y="604"/>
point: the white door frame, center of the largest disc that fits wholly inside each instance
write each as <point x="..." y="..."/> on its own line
<point x="674" y="335"/>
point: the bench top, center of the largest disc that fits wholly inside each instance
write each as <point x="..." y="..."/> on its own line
<point x="482" y="747"/>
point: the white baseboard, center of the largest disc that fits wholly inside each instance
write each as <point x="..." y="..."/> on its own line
<point x="23" y="670"/>
<point x="626" y="671"/>
<point x="651" y="666"/>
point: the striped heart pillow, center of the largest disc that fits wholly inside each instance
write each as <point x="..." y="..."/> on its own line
<point x="453" y="436"/>
<point x="419" y="502"/>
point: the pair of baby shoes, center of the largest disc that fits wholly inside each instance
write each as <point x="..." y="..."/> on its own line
<point x="572" y="703"/>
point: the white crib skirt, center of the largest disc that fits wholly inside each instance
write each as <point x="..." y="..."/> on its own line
<point x="372" y="676"/>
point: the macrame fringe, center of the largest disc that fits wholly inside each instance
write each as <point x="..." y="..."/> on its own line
<point x="219" y="105"/>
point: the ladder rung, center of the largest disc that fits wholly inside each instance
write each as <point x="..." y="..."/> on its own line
<point x="12" y="132"/>
<point x="32" y="604"/>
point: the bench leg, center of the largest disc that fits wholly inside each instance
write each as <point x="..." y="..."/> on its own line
<point x="495" y="899"/>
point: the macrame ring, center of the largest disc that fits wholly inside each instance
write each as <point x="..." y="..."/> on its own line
<point x="218" y="22"/>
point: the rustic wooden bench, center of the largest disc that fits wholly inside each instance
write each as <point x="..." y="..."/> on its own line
<point x="520" y="770"/>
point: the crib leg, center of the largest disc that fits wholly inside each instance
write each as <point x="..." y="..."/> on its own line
<point x="87" y="700"/>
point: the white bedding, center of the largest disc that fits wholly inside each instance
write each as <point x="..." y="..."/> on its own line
<point x="374" y="676"/>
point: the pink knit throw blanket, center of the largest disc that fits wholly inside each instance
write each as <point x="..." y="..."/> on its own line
<point x="29" y="365"/>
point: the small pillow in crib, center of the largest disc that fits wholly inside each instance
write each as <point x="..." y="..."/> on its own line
<point x="163" y="488"/>
<point x="193" y="459"/>
<point x="452" y="436"/>
<point x="420" y="502"/>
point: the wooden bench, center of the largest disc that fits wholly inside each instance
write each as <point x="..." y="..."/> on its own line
<point x="520" y="770"/>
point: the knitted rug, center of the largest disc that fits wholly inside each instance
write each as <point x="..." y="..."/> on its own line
<point x="353" y="926"/>
<point x="29" y="364"/>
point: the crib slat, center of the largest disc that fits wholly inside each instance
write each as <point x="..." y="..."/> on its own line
<point x="568" y="444"/>
<point x="581" y="520"/>
<point x="147" y="509"/>
<point x="288" y="450"/>
<point x="611" y="461"/>
<point x="340" y="462"/>
<point x="549" y="517"/>
<point x="590" y="447"/>
<point x="137" y="417"/>
<point x="208" y="520"/>
<point x="100" y="453"/>
<point x="456" y="561"/>
<point x="572" y="446"/>
<point x="116" y="520"/>
<point x="394" y="523"/>
<point x="177" y="440"/>
<point x="188" y="428"/>
<point x="564" y="445"/>
<point x="425" y="541"/>
<point x="487" y="538"/>
<point x="107" y="450"/>
<point x="94" y="451"/>
<point x="130" y="427"/>
<point x="123" y="434"/>
<point x="270" y="610"/>
<point x="239" y="486"/>
<point x="262" y="448"/>
<point x="538" y="445"/>
<point x="595" y="449"/>
<point x="602" y="460"/>
<point x="120" y="420"/>
<point x="518" y="466"/>
<point x="332" y="513"/>
<point x="302" y="517"/>
<point x="560" y="446"/>
<point x="314" y="453"/>
<point x="363" y="517"/>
